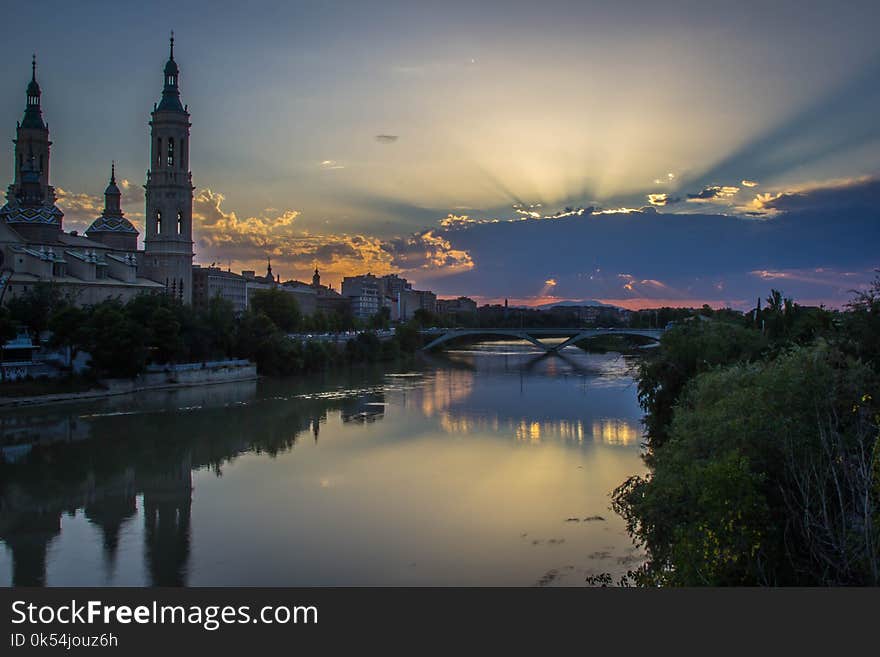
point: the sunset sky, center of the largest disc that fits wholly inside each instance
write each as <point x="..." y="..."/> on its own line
<point x="639" y="153"/>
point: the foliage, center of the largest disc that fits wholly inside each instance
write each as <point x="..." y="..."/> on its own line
<point x="686" y="350"/>
<point x="122" y="338"/>
<point x="279" y="306"/>
<point x="763" y="447"/>
<point x="114" y="340"/>
<point x="861" y="325"/>
<point x="34" y="309"/>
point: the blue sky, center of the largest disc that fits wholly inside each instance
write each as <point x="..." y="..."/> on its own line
<point x="488" y="149"/>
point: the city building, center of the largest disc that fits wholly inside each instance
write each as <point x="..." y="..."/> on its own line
<point x="391" y="285"/>
<point x="210" y="282"/>
<point x="306" y="296"/>
<point x="456" y="306"/>
<point x="327" y="300"/>
<point x="427" y="300"/>
<point x="404" y="305"/>
<point x="267" y="282"/>
<point x="363" y="294"/>
<point x="105" y="262"/>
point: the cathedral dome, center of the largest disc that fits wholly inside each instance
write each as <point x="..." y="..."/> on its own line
<point x="119" y="225"/>
<point x="14" y="212"/>
<point x="112" y="228"/>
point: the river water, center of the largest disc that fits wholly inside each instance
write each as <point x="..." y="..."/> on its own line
<point x="486" y="465"/>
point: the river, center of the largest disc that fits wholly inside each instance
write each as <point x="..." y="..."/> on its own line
<point x="487" y="465"/>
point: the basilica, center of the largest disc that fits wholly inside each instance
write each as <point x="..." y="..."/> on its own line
<point x="105" y="262"/>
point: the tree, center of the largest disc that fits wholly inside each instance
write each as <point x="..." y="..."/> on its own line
<point x="34" y="308"/>
<point x="425" y="318"/>
<point x="219" y="326"/>
<point x="116" y="343"/>
<point x="861" y="325"/>
<point x="68" y="327"/>
<point x="381" y="319"/>
<point x="7" y="326"/>
<point x="166" y="343"/>
<point x="768" y="476"/>
<point x="279" y="306"/>
<point x="685" y="351"/>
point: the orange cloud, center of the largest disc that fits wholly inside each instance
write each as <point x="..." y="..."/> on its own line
<point x="223" y="236"/>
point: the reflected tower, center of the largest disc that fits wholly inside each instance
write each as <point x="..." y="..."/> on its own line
<point x="167" y="507"/>
<point x="27" y="535"/>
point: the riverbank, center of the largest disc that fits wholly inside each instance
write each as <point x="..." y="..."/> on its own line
<point x="177" y="376"/>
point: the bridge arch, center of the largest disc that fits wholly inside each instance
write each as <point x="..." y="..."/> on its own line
<point x="573" y="335"/>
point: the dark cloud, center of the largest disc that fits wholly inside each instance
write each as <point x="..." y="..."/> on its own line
<point x="861" y="193"/>
<point x="387" y="139"/>
<point x="714" y="192"/>
<point x="819" y="245"/>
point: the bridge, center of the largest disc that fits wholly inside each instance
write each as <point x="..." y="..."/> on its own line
<point x="573" y="335"/>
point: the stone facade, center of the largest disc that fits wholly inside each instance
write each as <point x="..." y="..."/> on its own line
<point x="105" y="262"/>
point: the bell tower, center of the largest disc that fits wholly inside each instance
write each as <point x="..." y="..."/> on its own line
<point x="30" y="206"/>
<point x="168" y="243"/>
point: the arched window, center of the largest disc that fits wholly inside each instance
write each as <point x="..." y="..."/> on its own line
<point x="171" y="151"/>
<point x="158" y="221"/>
<point x="179" y="222"/>
<point x="41" y="164"/>
<point x="159" y="152"/>
<point x="182" y="154"/>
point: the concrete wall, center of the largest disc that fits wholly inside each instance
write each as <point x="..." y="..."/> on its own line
<point x="191" y="374"/>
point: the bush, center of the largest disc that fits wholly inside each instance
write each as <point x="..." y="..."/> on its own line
<point x="768" y="476"/>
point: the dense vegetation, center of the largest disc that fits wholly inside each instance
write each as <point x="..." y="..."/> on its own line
<point x="764" y="449"/>
<point x="123" y="338"/>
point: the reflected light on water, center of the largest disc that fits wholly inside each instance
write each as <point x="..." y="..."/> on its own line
<point x="445" y="388"/>
<point x="616" y="432"/>
<point x="526" y="430"/>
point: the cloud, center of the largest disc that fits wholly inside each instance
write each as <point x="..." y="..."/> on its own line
<point x="428" y="250"/>
<point x="712" y="193"/>
<point x="749" y="183"/>
<point x="828" y="196"/>
<point x="661" y="200"/>
<point x="223" y="236"/>
<point x="387" y="139"/>
<point x="681" y="257"/>
<point x="461" y="220"/>
<point x="329" y="165"/>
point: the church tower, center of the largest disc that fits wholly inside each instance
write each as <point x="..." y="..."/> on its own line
<point x="168" y="243"/>
<point x="30" y="199"/>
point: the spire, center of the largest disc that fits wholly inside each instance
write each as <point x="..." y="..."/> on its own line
<point x="112" y="196"/>
<point x="171" y="93"/>
<point x="32" y="114"/>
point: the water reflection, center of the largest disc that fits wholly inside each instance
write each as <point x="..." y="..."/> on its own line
<point x="179" y="487"/>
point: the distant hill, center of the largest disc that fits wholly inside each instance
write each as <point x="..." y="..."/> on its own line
<point x="572" y="303"/>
